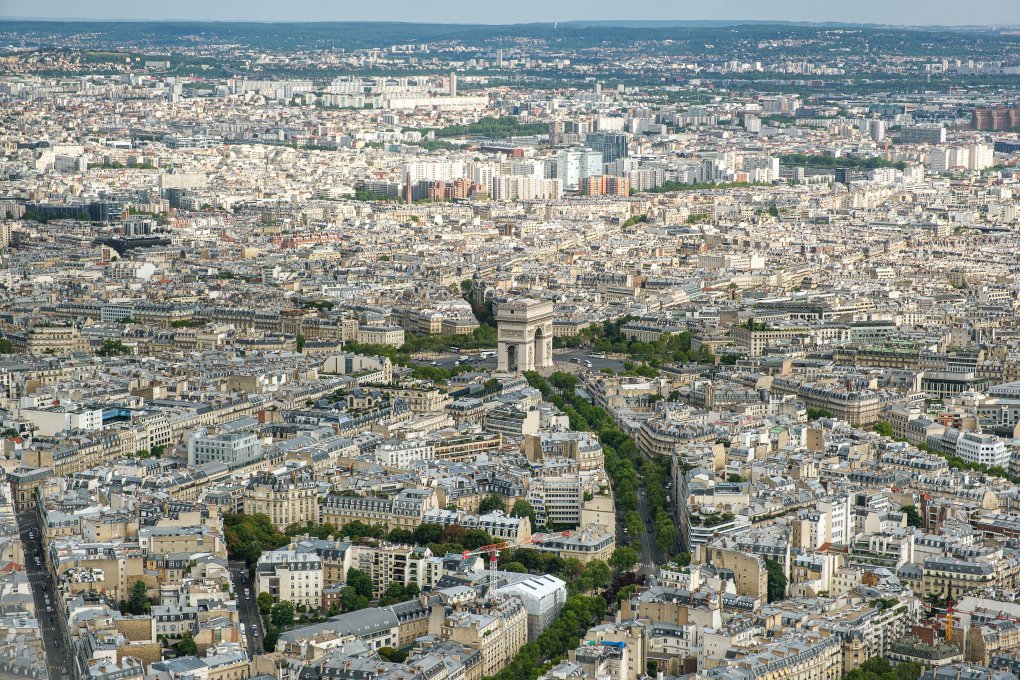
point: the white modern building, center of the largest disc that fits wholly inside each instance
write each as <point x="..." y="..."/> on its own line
<point x="543" y="596"/>
<point x="573" y="166"/>
<point x="402" y="452"/>
<point x="225" y="447"/>
<point x="986" y="449"/>
<point x="50" y="421"/>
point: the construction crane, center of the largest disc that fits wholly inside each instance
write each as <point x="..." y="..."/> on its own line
<point x="494" y="549"/>
<point x="951" y="610"/>
<point x="949" y="620"/>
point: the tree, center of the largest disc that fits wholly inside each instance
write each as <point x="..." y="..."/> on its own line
<point x="392" y="655"/>
<point x="400" y="536"/>
<point x="6" y="347"/>
<point x="522" y="508"/>
<point x="137" y="601"/>
<point x="910" y="670"/>
<point x="913" y="516"/>
<point x="282" y="614"/>
<point x="816" y="413"/>
<point x="883" y="427"/>
<point x="776" y="581"/>
<point x="112" y="348"/>
<point x="249" y="535"/>
<point x="490" y="503"/>
<point x="351" y="601"/>
<point x="361" y="582"/>
<point x="735" y="479"/>
<point x="397" y="592"/>
<point x="187" y="646"/>
<point x="476" y="538"/>
<point x="683" y="559"/>
<point x="424" y="534"/>
<point x="623" y="559"/>
<point x="357" y="530"/>
<point x="596" y="574"/>
<point x="265" y="603"/>
<point x="270" y="638"/>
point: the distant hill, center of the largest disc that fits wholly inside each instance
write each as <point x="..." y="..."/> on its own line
<point x="681" y="36"/>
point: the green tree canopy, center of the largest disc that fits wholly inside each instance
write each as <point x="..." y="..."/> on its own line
<point x="187" y="646"/>
<point x="913" y="516"/>
<point x="490" y="503"/>
<point x="282" y="614"/>
<point x="522" y="508"/>
<point x="265" y="603"/>
<point x="360" y="581"/>
<point x="883" y="427"/>
<point x="624" y="558"/>
<point x="776" y="581"/>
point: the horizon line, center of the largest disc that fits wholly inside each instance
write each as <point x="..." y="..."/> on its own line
<point x="864" y="24"/>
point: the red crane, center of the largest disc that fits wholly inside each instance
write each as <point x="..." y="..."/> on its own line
<point x="494" y="549"/>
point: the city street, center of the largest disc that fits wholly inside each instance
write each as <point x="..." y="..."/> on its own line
<point x="59" y="659"/>
<point x="648" y="564"/>
<point x="452" y="360"/>
<point x="597" y="364"/>
<point x="247" y="607"/>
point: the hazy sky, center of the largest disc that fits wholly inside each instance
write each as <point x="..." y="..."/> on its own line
<point x="928" y="12"/>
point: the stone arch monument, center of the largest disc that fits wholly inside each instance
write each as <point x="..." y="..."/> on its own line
<point x="525" y="333"/>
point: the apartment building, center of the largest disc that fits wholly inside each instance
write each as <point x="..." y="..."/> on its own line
<point x="231" y="448"/>
<point x="389" y="563"/>
<point x="798" y="655"/>
<point x="287" y="496"/>
<point x="497" y="631"/>
<point x="400" y="453"/>
<point x="497" y="524"/>
<point x="581" y="447"/>
<point x="955" y="576"/>
<point x="290" y="576"/>
<point x="403" y="510"/>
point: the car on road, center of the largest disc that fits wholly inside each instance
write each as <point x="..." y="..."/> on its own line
<point x="255" y="631"/>
<point x="587" y="364"/>
<point x="31" y="533"/>
<point x="247" y="593"/>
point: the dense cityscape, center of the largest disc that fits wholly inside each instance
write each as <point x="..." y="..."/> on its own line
<point x="553" y="351"/>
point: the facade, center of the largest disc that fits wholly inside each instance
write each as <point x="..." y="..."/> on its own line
<point x="290" y="576"/>
<point x="498" y="632"/>
<point x="543" y="596"/>
<point x="801" y="655"/>
<point x="285" y="496"/>
<point x="572" y="166"/>
<point x="402" y="452"/>
<point x="985" y="449"/>
<point x="403" y="510"/>
<point x="611" y="145"/>
<point x="231" y="448"/>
